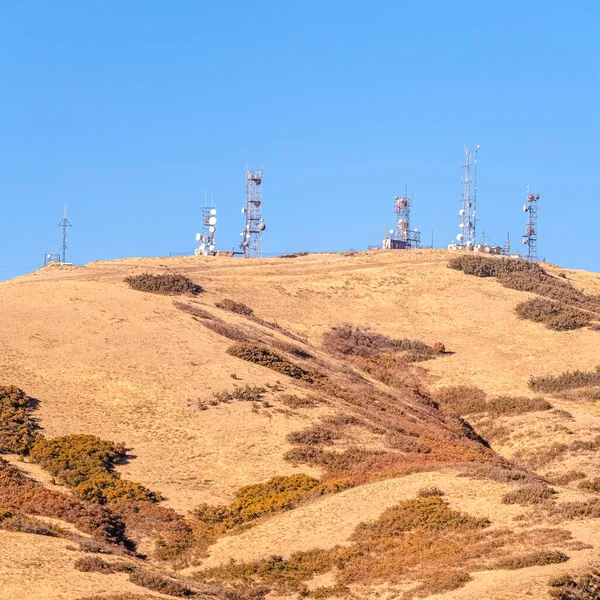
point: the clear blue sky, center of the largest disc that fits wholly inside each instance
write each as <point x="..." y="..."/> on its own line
<point x="131" y="110"/>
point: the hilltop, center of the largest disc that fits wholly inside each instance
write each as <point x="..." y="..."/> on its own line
<point x="234" y="385"/>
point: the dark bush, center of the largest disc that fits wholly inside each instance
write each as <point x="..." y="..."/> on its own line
<point x="18" y="429"/>
<point x="293" y="401"/>
<point x="266" y="358"/>
<point x="291" y="349"/>
<point x="593" y="485"/>
<point x="94" y="564"/>
<point x="461" y="399"/>
<point x="235" y="307"/>
<point x="160" y="583"/>
<point x="171" y="284"/>
<point x="549" y="384"/>
<point x="12" y="520"/>
<point x="246" y="393"/>
<point x="105" y="487"/>
<point x="427" y="492"/>
<point x="556" y="316"/>
<point x="231" y="332"/>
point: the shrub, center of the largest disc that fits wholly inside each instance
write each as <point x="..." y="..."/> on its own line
<point x="553" y="314"/>
<point x="356" y="341"/>
<point x="541" y="558"/>
<point x="266" y="358"/>
<point x="94" y="564"/>
<point x="18" y="430"/>
<point x="12" y="520"/>
<point x="566" y="478"/>
<point x="293" y="401"/>
<point x="583" y="586"/>
<point x="577" y="510"/>
<point x="231" y="332"/>
<point x="428" y="492"/>
<point x="171" y="284"/>
<point x="246" y="393"/>
<point x="104" y="487"/>
<point x="438" y="583"/>
<point x="235" y="307"/>
<point x="534" y="493"/>
<point x="516" y="405"/>
<point x="462" y="399"/>
<point x="160" y="583"/>
<point x="591" y="486"/>
<point x="291" y="349"/>
<point x="317" y="434"/>
<point x="498" y="474"/>
<point x="566" y="381"/>
<point x="195" y="311"/>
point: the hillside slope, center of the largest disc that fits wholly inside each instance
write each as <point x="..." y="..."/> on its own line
<point x="131" y="367"/>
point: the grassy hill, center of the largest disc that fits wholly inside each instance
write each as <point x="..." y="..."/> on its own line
<point x="380" y="388"/>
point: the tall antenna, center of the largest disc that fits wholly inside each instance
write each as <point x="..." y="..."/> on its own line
<point x="206" y="239"/>
<point x="530" y="239"/>
<point x="506" y="247"/>
<point x="65" y="223"/>
<point x="475" y="194"/>
<point x="466" y="237"/>
<point x="251" y="243"/>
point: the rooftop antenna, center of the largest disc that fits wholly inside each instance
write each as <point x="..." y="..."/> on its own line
<point x="251" y="243"/>
<point x="530" y="239"/>
<point x="64" y="223"/>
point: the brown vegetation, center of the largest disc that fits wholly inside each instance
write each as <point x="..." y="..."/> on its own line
<point x="581" y="586"/>
<point x="553" y="314"/>
<point x="550" y="384"/>
<point x="264" y="357"/>
<point x="245" y="393"/>
<point x="13" y="520"/>
<point x="18" y="429"/>
<point x="541" y="558"/>
<point x="462" y="399"/>
<point x="193" y="310"/>
<point x="171" y="284"/>
<point x="293" y="401"/>
<point x="515" y="405"/>
<point x="534" y="493"/>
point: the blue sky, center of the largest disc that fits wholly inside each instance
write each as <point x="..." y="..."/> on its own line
<point x="130" y="111"/>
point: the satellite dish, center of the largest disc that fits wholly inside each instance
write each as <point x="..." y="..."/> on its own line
<point x="242" y="234"/>
<point x="244" y="210"/>
<point x="213" y="211"/>
<point x="212" y="221"/>
<point x="461" y="212"/>
<point x="212" y="247"/>
<point x="198" y="237"/>
<point x="211" y="229"/>
<point x="537" y="196"/>
<point x="524" y="240"/>
<point x="202" y="246"/>
<point x="461" y="224"/>
<point x="460" y="237"/>
<point x="262" y="227"/>
<point x="525" y="208"/>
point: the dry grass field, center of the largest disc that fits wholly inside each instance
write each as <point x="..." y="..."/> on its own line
<point x="208" y="397"/>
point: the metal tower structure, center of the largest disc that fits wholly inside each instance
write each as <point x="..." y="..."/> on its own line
<point x="402" y="236"/>
<point x="468" y="212"/>
<point x="206" y="239"/>
<point x="530" y="238"/>
<point x="65" y="224"/>
<point x="251" y="244"/>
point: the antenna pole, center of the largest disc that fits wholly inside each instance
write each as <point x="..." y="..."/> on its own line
<point x="530" y="239"/>
<point x="65" y="223"/>
<point x="251" y="243"/>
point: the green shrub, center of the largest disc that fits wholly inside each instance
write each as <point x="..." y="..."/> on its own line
<point x="266" y="358"/>
<point x="171" y="284"/>
<point x="18" y="429"/>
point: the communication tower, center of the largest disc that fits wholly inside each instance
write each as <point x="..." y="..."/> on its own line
<point x="468" y="212"/>
<point x="51" y="257"/>
<point x="65" y="224"/>
<point x="206" y="239"/>
<point x="251" y="244"/>
<point x="530" y="238"/>
<point x="402" y="237"/>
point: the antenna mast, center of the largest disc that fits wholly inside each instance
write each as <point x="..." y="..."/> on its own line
<point x="64" y="223"/>
<point x="466" y="237"/>
<point x="402" y="236"/>
<point x="251" y="244"/>
<point x="530" y="239"/>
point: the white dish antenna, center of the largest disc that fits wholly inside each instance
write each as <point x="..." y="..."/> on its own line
<point x="198" y="237"/>
<point x="244" y="210"/>
<point x="213" y="211"/>
<point x="262" y="227"/>
<point x="202" y="246"/>
<point x="212" y="247"/>
<point x="461" y="212"/>
<point x="212" y="221"/>
<point x="460" y="237"/>
<point x="211" y="229"/>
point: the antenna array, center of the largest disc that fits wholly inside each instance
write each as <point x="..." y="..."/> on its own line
<point x="65" y="224"/>
<point x="530" y="238"/>
<point x="251" y="244"/>
<point x="402" y="237"/>
<point x="206" y="239"/>
<point x="468" y="212"/>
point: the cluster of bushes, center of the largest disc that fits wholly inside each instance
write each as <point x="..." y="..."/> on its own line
<point x="550" y="384"/>
<point x="533" y="559"/>
<point x="235" y="307"/>
<point x="554" y="315"/>
<point x="293" y="401"/>
<point x="465" y="400"/>
<point x="246" y="393"/>
<point x="264" y="357"/>
<point x="351" y="340"/>
<point x="583" y="586"/>
<point x="534" y="493"/>
<point x="86" y="464"/>
<point x="13" y="520"/>
<point x="171" y="284"/>
<point x="563" y="313"/>
<point x="18" y="429"/>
